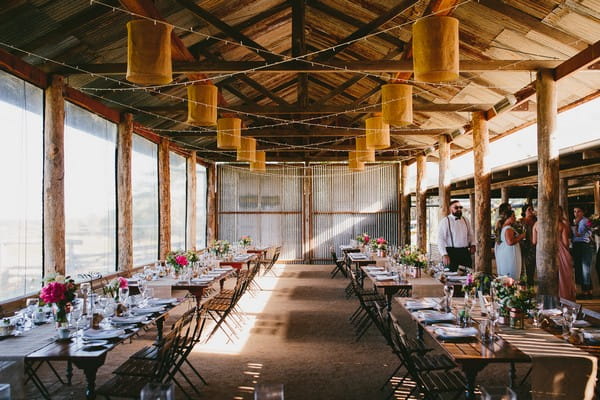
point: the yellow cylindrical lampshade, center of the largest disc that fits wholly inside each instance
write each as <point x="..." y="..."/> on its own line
<point x="247" y="150"/>
<point x="362" y="153"/>
<point x="202" y="105"/>
<point x="378" y="133"/>
<point x="396" y="104"/>
<point x="435" y="49"/>
<point x="353" y="162"/>
<point x="229" y="133"/>
<point x="149" y="52"/>
<point x="260" y="165"/>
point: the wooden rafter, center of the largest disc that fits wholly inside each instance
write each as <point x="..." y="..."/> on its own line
<point x="228" y="30"/>
<point x="299" y="47"/>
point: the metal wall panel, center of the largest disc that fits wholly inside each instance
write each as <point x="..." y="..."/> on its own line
<point x="346" y="204"/>
<point x="266" y="206"/>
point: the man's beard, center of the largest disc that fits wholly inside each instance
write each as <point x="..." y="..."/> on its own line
<point x="457" y="214"/>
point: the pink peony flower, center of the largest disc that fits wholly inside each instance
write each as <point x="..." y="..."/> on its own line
<point x="53" y="292"/>
<point x="123" y="283"/>
<point x="181" y="260"/>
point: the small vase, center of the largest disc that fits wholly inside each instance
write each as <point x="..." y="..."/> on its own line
<point x="517" y="318"/>
<point x="60" y="315"/>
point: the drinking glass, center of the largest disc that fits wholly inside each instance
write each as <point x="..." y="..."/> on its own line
<point x="32" y="305"/>
<point x="85" y="288"/>
<point x="492" y="314"/>
<point x="142" y="286"/>
<point x="537" y="313"/>
<point x="448" y="293"/>
<point x="124" y="294"/>
<point x="148" y="294"/>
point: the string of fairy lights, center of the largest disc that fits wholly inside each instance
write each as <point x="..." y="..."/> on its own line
<point x="308" y="122"/>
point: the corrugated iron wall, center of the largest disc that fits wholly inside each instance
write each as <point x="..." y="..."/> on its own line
<point x="268" y="206"/>
<point x="347" y="204"/>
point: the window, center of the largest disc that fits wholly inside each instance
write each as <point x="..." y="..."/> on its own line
<point x="90" y="198"/>
<point x="21" y="158"/>
<point x="178" y="173"/>
<point x="144" y="182"/>
<point x="201" y="193"/>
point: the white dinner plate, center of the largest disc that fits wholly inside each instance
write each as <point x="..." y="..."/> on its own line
<point x="103" y="333"/>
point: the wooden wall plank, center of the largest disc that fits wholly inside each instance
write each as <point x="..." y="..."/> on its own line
<point x="124" y="195"/>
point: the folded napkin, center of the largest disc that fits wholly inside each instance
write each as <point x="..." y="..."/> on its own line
<point x="415" y="305"/>
<point x="376" y="273"/>
<point x="157" y="302"/>
<point x="593" y="337"/>
<point x="147" y="310"/>
<point x="385" y="277"/>
<point x="374" y="268"/>
<point x="552" y="311"/>
<point x="580" y="323"/>
<point x="432" y="317"/>
<point x="203" y="280"/>
<point x="451" y="273"/>
<point x="102" y="333"/>
<point x="359" y="255"/>
<point x="128" y="320"/>
<point x="223" y="269"/>
<point x="455" y="332"/>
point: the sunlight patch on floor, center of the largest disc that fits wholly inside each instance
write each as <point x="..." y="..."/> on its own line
<point x="251" y="307"/>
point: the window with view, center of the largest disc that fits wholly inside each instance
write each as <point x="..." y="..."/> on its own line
<point x="144" y="181"/>
<point x="178" y="172"/>
<point x="90" y="198"/>
<point x="21" y="159"/>
<point x="200" y="206"/>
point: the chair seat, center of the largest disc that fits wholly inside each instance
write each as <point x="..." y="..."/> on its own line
<point x="443" y="382"/>
<point x="432" y="362"/>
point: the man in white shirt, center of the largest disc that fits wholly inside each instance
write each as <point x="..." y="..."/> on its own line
<point x="455" y="237"/>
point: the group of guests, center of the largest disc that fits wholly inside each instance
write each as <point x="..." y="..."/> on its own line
<point x="515" y="246"/>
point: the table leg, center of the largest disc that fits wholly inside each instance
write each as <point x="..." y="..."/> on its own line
<point x="90" y="369"/>
<point x="69" y="372"/>
<point x="159" y="328"/>
<point x="512" y="375"/>
<point x="389" y="295"/>
<point x="471" y="374"/>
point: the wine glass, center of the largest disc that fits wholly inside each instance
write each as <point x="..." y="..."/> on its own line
<point x="448" y="293"/>
<point x="492" y="314"/>
<point x="142" y="286"/>
<point x="537" y="312"/>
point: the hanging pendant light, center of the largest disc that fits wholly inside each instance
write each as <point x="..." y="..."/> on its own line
<point x="353" y="162"/>
<point x="149" y="52"/>
<point x="396" y="104"/>
<point x="202" y="105"/>
<point x="378" y="133"/>
<point x="435" y="49"/>
<point x="247" y="150"/>
<point x="260" y="165"/>
<point x="362" y="152"/>
<point x="229" y="133"/>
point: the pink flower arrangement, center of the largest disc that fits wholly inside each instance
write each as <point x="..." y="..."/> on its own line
<point x="53" y="292"/>
<point x="380" y="244"/>
<point x="123" y="283"/>
<point x="181" y="260"/>
<point x="364" y="238"/>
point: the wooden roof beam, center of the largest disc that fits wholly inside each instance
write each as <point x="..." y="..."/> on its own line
<point x="365" y="30"/>
<point x="299" y="48"/>
<point x="579" y="61"/>
<point x="228" y="30"/>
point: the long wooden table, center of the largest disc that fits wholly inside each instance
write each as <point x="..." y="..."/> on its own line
<point x="473" y="355"/>
<point x="71" y="351"/>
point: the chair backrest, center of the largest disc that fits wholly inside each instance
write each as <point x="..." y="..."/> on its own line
<point x="333" y="254"/>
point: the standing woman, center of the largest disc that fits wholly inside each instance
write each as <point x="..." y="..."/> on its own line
<point x="527" y="245"/>
<point x="508" y="253"/>
<point x="583" y="251"/>
<point x="566" y="282"/>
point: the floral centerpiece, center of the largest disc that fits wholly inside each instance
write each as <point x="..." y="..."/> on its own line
<point x="363" y="238"/>
<point x="515" y="299"/>
<point x="379" y="245"/>
<point x="220" y="247"/>
<point x="478" y="281"/>
<point x="245" y="240"/>
<point x="192" y="256"/>
<point x="59" y="291"/>
<point x="411" y="255"/>
<point x="112" y="289"/>
<point x="177" y="260"/>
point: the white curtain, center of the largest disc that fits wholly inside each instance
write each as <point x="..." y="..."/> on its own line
<point x="178" y="172"/>
<point x="21" y="163"/>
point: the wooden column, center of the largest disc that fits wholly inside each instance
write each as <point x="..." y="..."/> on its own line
<point x="564" y="196"/>
<point x="190" y="236"/>
<point x="124" y="195"/>
<point x="483" y="180"/>
<point x="472" y="208"/>
<point x="54" y="173"/>
<point x="404" y="206"/>
<point x="444" y="176"/>
<point x="306" y="216"/>
<point x="164" y="199"/>
<point x="211" y="204"/>
<point x="504" y="195"/>
<point x="548" y="182"/>
<point x="421" y="202"/>
<point x="597" y="197"/>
